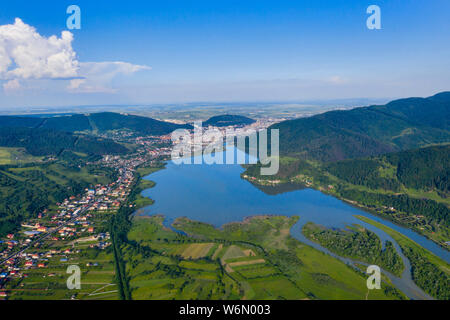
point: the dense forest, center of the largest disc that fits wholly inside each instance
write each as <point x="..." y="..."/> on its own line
<point x="431" y="210"/>
<point x="427" y="275"/>
<point x="356" y="243"/>
<point x="427" y="168"/>
<point x="424" y="169"/>
<point x="99" y="122"/>
<point x="228" y="120"/>
<point x="43" y="142"/>
<point x="363" y="132"/>
<point x="364" y="172"/>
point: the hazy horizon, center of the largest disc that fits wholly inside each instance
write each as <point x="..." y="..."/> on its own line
<point x="178" y="52"/>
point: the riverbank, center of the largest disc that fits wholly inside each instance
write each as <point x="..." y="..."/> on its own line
<point x="217" y="196"/>
<point x="252" y="259"/>
<point x="385" y="212"/>
<point x="429" y="272"/>
<point x="267" y="234"/>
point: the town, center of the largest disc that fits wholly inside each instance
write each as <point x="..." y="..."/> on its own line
<point x="34" y="260"/>
<point x="75" y="231"/>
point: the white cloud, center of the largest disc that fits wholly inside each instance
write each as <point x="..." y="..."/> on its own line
<point x="27" y="56"/>
<point x="11" y="85"/>
<point x="96" y="76"/>
<point x="336" y="80"/>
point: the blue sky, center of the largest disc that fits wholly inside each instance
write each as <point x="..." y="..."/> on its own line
<point x="183" y="51"/>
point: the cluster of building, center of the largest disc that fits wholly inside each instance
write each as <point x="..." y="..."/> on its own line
<point x="72" y="222"/>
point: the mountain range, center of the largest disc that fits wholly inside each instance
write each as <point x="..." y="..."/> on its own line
<point x="99" y="122"/>
<point x="53" y="135"/>
<point x="361" y="132"/>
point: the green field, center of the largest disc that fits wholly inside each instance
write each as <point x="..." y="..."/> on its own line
<point x="50" y="282"/>
<point x="15" y="156"/>
<point x="254" y="259"/>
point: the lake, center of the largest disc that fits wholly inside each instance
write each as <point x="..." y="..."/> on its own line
<point x="216" y="194"/>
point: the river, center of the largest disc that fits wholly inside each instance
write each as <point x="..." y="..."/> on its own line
<point x="216" y="194"/>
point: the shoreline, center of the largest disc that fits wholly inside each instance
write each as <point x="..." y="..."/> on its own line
<point x="352" y="203"/>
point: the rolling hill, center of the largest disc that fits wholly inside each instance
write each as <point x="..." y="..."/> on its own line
<point x="100" y="122"/>
<point x="423" y="169"/>
<point x="46" y="142"/>
<point x="361" y="132"/>
<point x="228" y="120"/>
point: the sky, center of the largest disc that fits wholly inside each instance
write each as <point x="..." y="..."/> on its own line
<point x="146" y="52"/>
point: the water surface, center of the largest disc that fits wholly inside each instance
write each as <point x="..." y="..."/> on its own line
<point x="216" y="194"/>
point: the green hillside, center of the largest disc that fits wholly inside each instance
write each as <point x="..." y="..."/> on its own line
<point x="111" y="121"/>
<point x="409" y="187"/>
<point x="425" y="169"/>
<point x="362" y="132"/>
<point x="103" y="121"/>
<point x="228" y="120"/>
<point x="44" y="142"/>
<point x="72" y="123"/>
<point x="27" y="190"/>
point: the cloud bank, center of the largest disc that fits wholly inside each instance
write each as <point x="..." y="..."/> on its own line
<point x="97" y="75"/>
<point x="26" y="55"/>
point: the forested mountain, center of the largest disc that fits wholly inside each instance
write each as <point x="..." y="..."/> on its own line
<point x="18" y="121"/>
<point x="72" y="123"/>
<point x="424" y="169"/>
<point x="362" y="132"/>
<point x="228" y="120"/>
<point x="99" y="122"/>
<point x="44" y="142"/>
